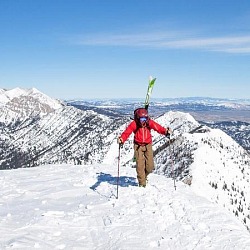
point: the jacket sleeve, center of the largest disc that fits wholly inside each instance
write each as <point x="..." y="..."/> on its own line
<point x="128" y="131"/>
<point x="157" y="127"/>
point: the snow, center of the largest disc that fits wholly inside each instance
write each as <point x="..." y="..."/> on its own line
<point x="44" y="98"/>
<point x="12" y="93"/>
<point x="221" y="173"/>
<point x="8" y="95"/>
<point x="76" y="207"/>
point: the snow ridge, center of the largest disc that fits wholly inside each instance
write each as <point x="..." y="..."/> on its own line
<point x="82" y="199"/>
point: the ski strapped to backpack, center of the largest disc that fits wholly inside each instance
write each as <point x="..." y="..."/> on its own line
<point x="148" y="95"/>
<point x="149" y="91"/>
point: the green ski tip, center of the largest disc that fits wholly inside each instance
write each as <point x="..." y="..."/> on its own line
<point x="149" y="90"/>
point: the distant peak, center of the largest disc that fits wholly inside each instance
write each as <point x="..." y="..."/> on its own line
<point x="7" y="96"/>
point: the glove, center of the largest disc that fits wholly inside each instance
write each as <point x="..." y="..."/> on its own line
<point x="119" y="141"/>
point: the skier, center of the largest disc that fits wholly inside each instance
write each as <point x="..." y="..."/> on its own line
<point x="141" y="127"/>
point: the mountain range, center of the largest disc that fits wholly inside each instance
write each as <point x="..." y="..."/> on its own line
<point x="37" y="130"/>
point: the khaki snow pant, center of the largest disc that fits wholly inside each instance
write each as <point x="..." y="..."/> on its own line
<point x="144" y="162"/>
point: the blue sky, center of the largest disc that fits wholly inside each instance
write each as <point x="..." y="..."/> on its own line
<point x="108" y="49"/>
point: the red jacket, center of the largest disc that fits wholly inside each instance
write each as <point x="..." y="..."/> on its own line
<point x="142" y="134"/>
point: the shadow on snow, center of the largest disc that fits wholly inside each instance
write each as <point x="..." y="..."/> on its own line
<point x="124" y="181"/>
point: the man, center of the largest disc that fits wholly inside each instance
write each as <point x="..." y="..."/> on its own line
<point x="141" y="127"/>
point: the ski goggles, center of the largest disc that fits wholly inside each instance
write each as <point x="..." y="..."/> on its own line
<point x="143" y="119"/>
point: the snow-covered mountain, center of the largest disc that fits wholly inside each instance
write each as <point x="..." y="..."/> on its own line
<point x="218" y="168"/>
<point x="207" y="159"/>
<point x="35" y="130"/>
<point x="17" y="104"/>
<point x="8" y="95"/>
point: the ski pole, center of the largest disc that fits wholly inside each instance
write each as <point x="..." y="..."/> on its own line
<point x="172" y="161"/>
<point x="173" y="130"/>
<point x="118" y="175"/>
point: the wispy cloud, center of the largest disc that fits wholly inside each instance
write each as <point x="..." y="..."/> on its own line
<point x="172" y="40"/>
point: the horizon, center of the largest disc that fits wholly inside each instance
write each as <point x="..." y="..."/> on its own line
<point x="91" y="49"/>
<point x="135" y="98"/>
<point x="161" y="98"/>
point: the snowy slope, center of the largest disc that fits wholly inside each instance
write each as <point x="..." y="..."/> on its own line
<point x="75" y="207"/>
<point x="66" y="135"/>
<point x="221" y="171"/>
<point x="213" y="164"/>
